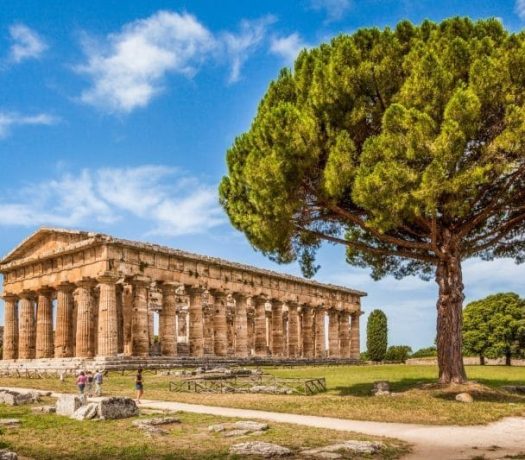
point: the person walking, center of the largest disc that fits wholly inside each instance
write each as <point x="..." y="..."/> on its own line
<point x="139" y="384"/>
<point x="89" y="383"/>
<point x="81" y="382"/>
<point x="99" y="379"/>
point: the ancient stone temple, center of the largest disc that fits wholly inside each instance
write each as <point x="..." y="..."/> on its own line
<point x="72" y="294"/>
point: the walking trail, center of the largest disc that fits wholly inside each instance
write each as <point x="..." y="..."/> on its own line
<point x="429" y="442"/>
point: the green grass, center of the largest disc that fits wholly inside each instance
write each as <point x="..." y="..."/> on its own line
<point x="349" y="394"/>
<point x="49" y="436"/>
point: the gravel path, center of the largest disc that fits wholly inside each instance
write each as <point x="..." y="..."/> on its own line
<point x="495" y="440"/>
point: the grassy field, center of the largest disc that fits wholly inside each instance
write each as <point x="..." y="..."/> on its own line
<point x="348" y="396"/>
<point x="49" y="436"/>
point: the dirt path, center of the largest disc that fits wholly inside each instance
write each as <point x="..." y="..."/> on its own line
<point x="495" y="440"/>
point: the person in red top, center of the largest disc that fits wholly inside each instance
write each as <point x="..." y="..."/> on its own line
<point x="81" y="382"/>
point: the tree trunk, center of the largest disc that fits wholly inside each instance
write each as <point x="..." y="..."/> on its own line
<point x="481" y="360"/>
<point x="450" y="317"/>
<point x="508" y="358"/>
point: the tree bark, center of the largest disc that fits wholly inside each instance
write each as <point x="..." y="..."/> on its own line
<point x="481" y="360"/>
<point x="450" y="317"/>
<point x="508" y="358"/>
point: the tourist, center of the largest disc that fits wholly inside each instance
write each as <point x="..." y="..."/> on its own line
<point x="139" y="385"/>
<point x="99" y="378"/>
<point x="81" y="382"/>
<point x="89" y="383"/>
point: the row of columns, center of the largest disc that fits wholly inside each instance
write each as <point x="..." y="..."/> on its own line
<point x="116" y="319"/>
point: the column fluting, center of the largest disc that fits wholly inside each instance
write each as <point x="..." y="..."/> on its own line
<point x="220" y="325"/>
<point x="26" y="335"/>
<point x="168" y="320"/>
<point x="277" y="328"/>
<point x="260" y="326"/>
<point x="333" y="334"/>
<point x="64" y="338"/>
<point x="344" y="334"/>
<point x="241" y="326"/>
<point x="10" y="347"/>
<point x="293" y="330"/>
<point x="196" y="328"/>
<point x="107" y="316"/>
<point x="307" y="328"/>
<point x="140" y="317"/>
<point x="85" y="340"/>
<point x="354" y="336"/>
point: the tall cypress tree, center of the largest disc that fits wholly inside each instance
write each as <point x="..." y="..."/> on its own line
<point x="377" y="336"/>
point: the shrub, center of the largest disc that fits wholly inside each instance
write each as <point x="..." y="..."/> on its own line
<point x="398" y="353"/>
<point x="428" y="352"/>
<point x="376" y="335"/>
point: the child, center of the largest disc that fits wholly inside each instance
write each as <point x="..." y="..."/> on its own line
<point x="139" y="385"/>
<point x="81" y="382"/>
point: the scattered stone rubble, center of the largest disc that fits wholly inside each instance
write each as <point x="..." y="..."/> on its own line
<point x="9" y="422"/>
<point x="15" y="398"/>
<point x="151" y="426"/>
<point x="336" y="451"/>
<point x="464" y="398"/>
<point x="107" y="408"/>
<point x="6" y="454"/>
<point x="381" y="388"/>
<point x="262" y="449"/>
<point x="240" y="428"/>
<point x="44" y="409"/>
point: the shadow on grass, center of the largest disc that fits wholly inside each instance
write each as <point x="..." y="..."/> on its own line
<point x="484" y="396"/>
<point x="399" y="386"/>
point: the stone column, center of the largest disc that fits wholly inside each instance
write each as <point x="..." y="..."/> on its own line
<point x="307" y="327"/>
<point x="333" y="334"/>
<point x="355" y="346"/>
<point x="44" y="324"/>
<point x="64" y="323"/>
<point x="250" y="313"/>
<point x="168" y="320"/>
<point x="84" y="347"/>
<point x="230" y="327"/>
<point x="140" y="319"/>
<point x="344" y="334"/>
<point x="196" y="321"/>
<point x="26" y="337"/>
<point x="107" y="316"/>
<point x="260" y="326"/>
<point x="127" y="314"/>
<point x="10" y="327"/>
<point x="207" y="320"/>
<point x="319" y="332"/>
<point x="182" y="323"/>
<point x="220" y="326"/>
<point x="241" y="326"/>
<point x="151" y="326"/>
<point x="293" y="330"/>
<point x="277" y="328"/>
<point x="120" y="318"/>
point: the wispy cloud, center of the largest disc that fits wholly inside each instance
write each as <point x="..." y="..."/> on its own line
<point x="287" y="47"/>
<point x="335" y="9"/>
<point x="239" y="46"/>
<point x="107" y="195"/>
<point x="9" y="120"/>
<point x="25" y="43"/>
<point x="520" y="9"/>
<point x="127" y="69"/>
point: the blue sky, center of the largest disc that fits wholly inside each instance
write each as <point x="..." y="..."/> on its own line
<point x="115" y="117"/>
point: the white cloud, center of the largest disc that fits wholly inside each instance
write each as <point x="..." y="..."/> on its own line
<point x="26" y="43"/>
<point x="8" y="120"/>
<point x="287" y="47"/>
<point x="520" y="8"/>
<point x="241" y="45"/>
<point x="128" y="68"/>
<point x="335" y="9"/>
<point x="167" y="201"/>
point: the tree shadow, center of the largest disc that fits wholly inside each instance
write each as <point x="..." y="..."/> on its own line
<point x="398" y="386"/>
<point x="484" y="396"/>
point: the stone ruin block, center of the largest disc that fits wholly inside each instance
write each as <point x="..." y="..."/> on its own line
<point x="6" y="454"/>
<point x="117" y="407"/>
<point x="86" y="412"/>
<point x="14" y="398"/>
<point x="68" y="404"/>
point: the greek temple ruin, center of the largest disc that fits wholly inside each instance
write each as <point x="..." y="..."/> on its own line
<point x="73" y="294"/>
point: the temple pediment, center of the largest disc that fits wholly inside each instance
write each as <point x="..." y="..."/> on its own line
<point x="45" y="241"/>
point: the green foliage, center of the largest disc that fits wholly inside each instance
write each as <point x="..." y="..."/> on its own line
<point x="392" y="142"/>
<point x="376" y="336"/>
<point x="428" y="352"/>
<point x="363" y="356"/>
<point x="398" y="353"/>
<point x="495" y="326"/>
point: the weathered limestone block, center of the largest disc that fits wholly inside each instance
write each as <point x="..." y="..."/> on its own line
<point x="14" y="398"/>
<point x="151" y="426"/>
<point x="86" y="412"/>
<point x="262" y="449"/>
<point x="381" y="388"/>
<point x="348" y="447"/>
<point x="6" y="454"/>
<point x="9" y="422"/>
<point x="67" y="405"/>
<point x="464" y="398"/>
<point x="116" y="408"/>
